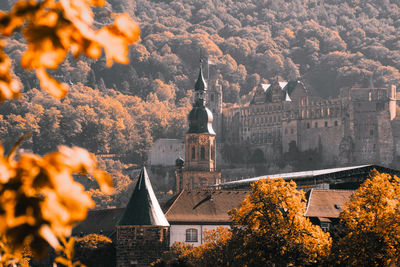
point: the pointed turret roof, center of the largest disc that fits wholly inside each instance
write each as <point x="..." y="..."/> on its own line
<point x="143" y="207"/>
<point x="201" y="84"/>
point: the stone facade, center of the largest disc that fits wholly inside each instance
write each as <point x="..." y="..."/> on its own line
<point x="354" y="127"/>
<point x="140" y="245"/>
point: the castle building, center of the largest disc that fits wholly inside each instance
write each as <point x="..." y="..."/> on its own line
<point x="200" y="167"/>
<point x="283" y="117"/>
<point x="142" y="233"/>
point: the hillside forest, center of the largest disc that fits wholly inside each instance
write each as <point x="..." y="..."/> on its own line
<point x="123" y="109"/>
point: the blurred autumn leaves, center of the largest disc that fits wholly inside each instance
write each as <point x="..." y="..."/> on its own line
<point x="55" y="28"/>
<point x="39" y="200"/>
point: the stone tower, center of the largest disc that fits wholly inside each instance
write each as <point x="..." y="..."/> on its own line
<point x="143" y="231"/>
<point x="200" y="144"/>
<point x="215" y="105"/>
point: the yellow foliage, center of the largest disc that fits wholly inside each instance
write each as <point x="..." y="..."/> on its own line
<point x="271" y="228"/>
<point x="372" y="224"/>
<point x="39" y="200"/>
<point x="53" y="29"/>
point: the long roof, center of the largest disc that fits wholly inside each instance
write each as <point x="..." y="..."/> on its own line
<point x="143" y="207"/>
<point x="327" y="203"/>
<point x="204" y="206"/>
<point x="336" y="173"/>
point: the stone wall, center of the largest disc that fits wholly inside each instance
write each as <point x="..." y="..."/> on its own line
<point x="140" y="245"/>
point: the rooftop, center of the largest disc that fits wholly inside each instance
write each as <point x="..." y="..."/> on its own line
<point x="143" y="207"/>
<point x="327" y="203"/>
<point x="202" y="206"/>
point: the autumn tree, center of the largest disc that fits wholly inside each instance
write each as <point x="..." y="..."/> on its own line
<point x="95" y="250"/>
<point x="269" y="227"/>
<point x="40" y="201"/>
<point x="372" y="224"/>
<point x="214" y="251"/>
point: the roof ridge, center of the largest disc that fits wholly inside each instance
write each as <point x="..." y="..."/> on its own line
<point x="345" y="190"/>
<point x="173" y="203"/>
<point x="309" y="200"/>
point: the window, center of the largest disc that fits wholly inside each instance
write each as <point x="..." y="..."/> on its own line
<point x="191" y="235"/>
<point x="291" y="130"/>
<point x="371" y="132"/>
<point x="193" y="153"/>
<point x="336" y="123"/>
<point x="203" y="153"/>
<point x="308" y="125"/>
<point x="325" y="226"/>
<point x="212" y="97"/>
<point x="326" y="124"/>
<point x="316" y="125"/>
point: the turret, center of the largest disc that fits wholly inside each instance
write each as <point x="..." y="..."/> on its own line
<point x="143" y="231"/>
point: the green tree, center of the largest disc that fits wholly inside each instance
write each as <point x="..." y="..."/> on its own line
<point x="371" y="222"/>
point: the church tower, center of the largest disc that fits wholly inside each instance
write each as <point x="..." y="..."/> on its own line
<point x="200" y="168"/>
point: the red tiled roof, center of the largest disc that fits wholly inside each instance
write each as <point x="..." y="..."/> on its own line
<point x="204" y="206"/>
<point x="327" y="203"/>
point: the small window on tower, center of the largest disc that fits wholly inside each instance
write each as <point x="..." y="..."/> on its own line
<point x="212" y="97"/>
<point x="193" y="153"/>
<point x="203" y="153"/>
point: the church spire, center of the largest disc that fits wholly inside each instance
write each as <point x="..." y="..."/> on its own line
<point x="143" y="207"/>
<point x="201" y="84"/>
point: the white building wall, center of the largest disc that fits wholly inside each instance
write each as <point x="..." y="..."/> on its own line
<point x="178" y="233"/>
<point x="164" y="152"/>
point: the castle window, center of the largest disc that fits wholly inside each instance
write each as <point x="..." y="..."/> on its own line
<point x="203" y="153"/>
<point x="371" y="132"/>
<point x="191" y="235"/>
<point x="336" y="123"/>
<point x="316" y="125"/>
<point x="326" y="124"/>
<point x="193" y="153"/>
<point x="212" y="97"/>
<point x="291" y="130"/>
<point x="308" y="125"/>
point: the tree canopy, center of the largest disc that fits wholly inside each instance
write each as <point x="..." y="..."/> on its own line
<point x="371" y="223"/>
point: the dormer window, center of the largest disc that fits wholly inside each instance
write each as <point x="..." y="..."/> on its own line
<point x="193" y="152"/>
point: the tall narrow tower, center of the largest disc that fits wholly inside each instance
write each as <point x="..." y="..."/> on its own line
<point x="200" y="145"/>
<point x="143" y="231"/>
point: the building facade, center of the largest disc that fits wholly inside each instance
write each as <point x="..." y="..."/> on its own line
<point x="283" y="117"/>
<point x="165" y="151"/>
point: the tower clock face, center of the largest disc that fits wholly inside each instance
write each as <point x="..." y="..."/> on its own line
<point x="203" y="140"/>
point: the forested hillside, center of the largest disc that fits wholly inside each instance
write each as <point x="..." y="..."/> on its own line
<point x="328" y="44"/>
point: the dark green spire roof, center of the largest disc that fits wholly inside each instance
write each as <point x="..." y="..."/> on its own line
<point x="201" y="84"/>
<point x="143" y="207"/>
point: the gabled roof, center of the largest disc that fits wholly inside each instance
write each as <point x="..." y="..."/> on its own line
<point x="143" y="207"/>
<point x="201" y="206"/>
<point x="326" y="203"/>
<point x="286" y="87"/>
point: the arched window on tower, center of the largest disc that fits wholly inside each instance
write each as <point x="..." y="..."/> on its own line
<point x="202" y="153"/>
<point x="193" y="152"/>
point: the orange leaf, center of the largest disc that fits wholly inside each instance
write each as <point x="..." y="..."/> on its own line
<point x="127" y="27"/>
<point x="51" y="85"/>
